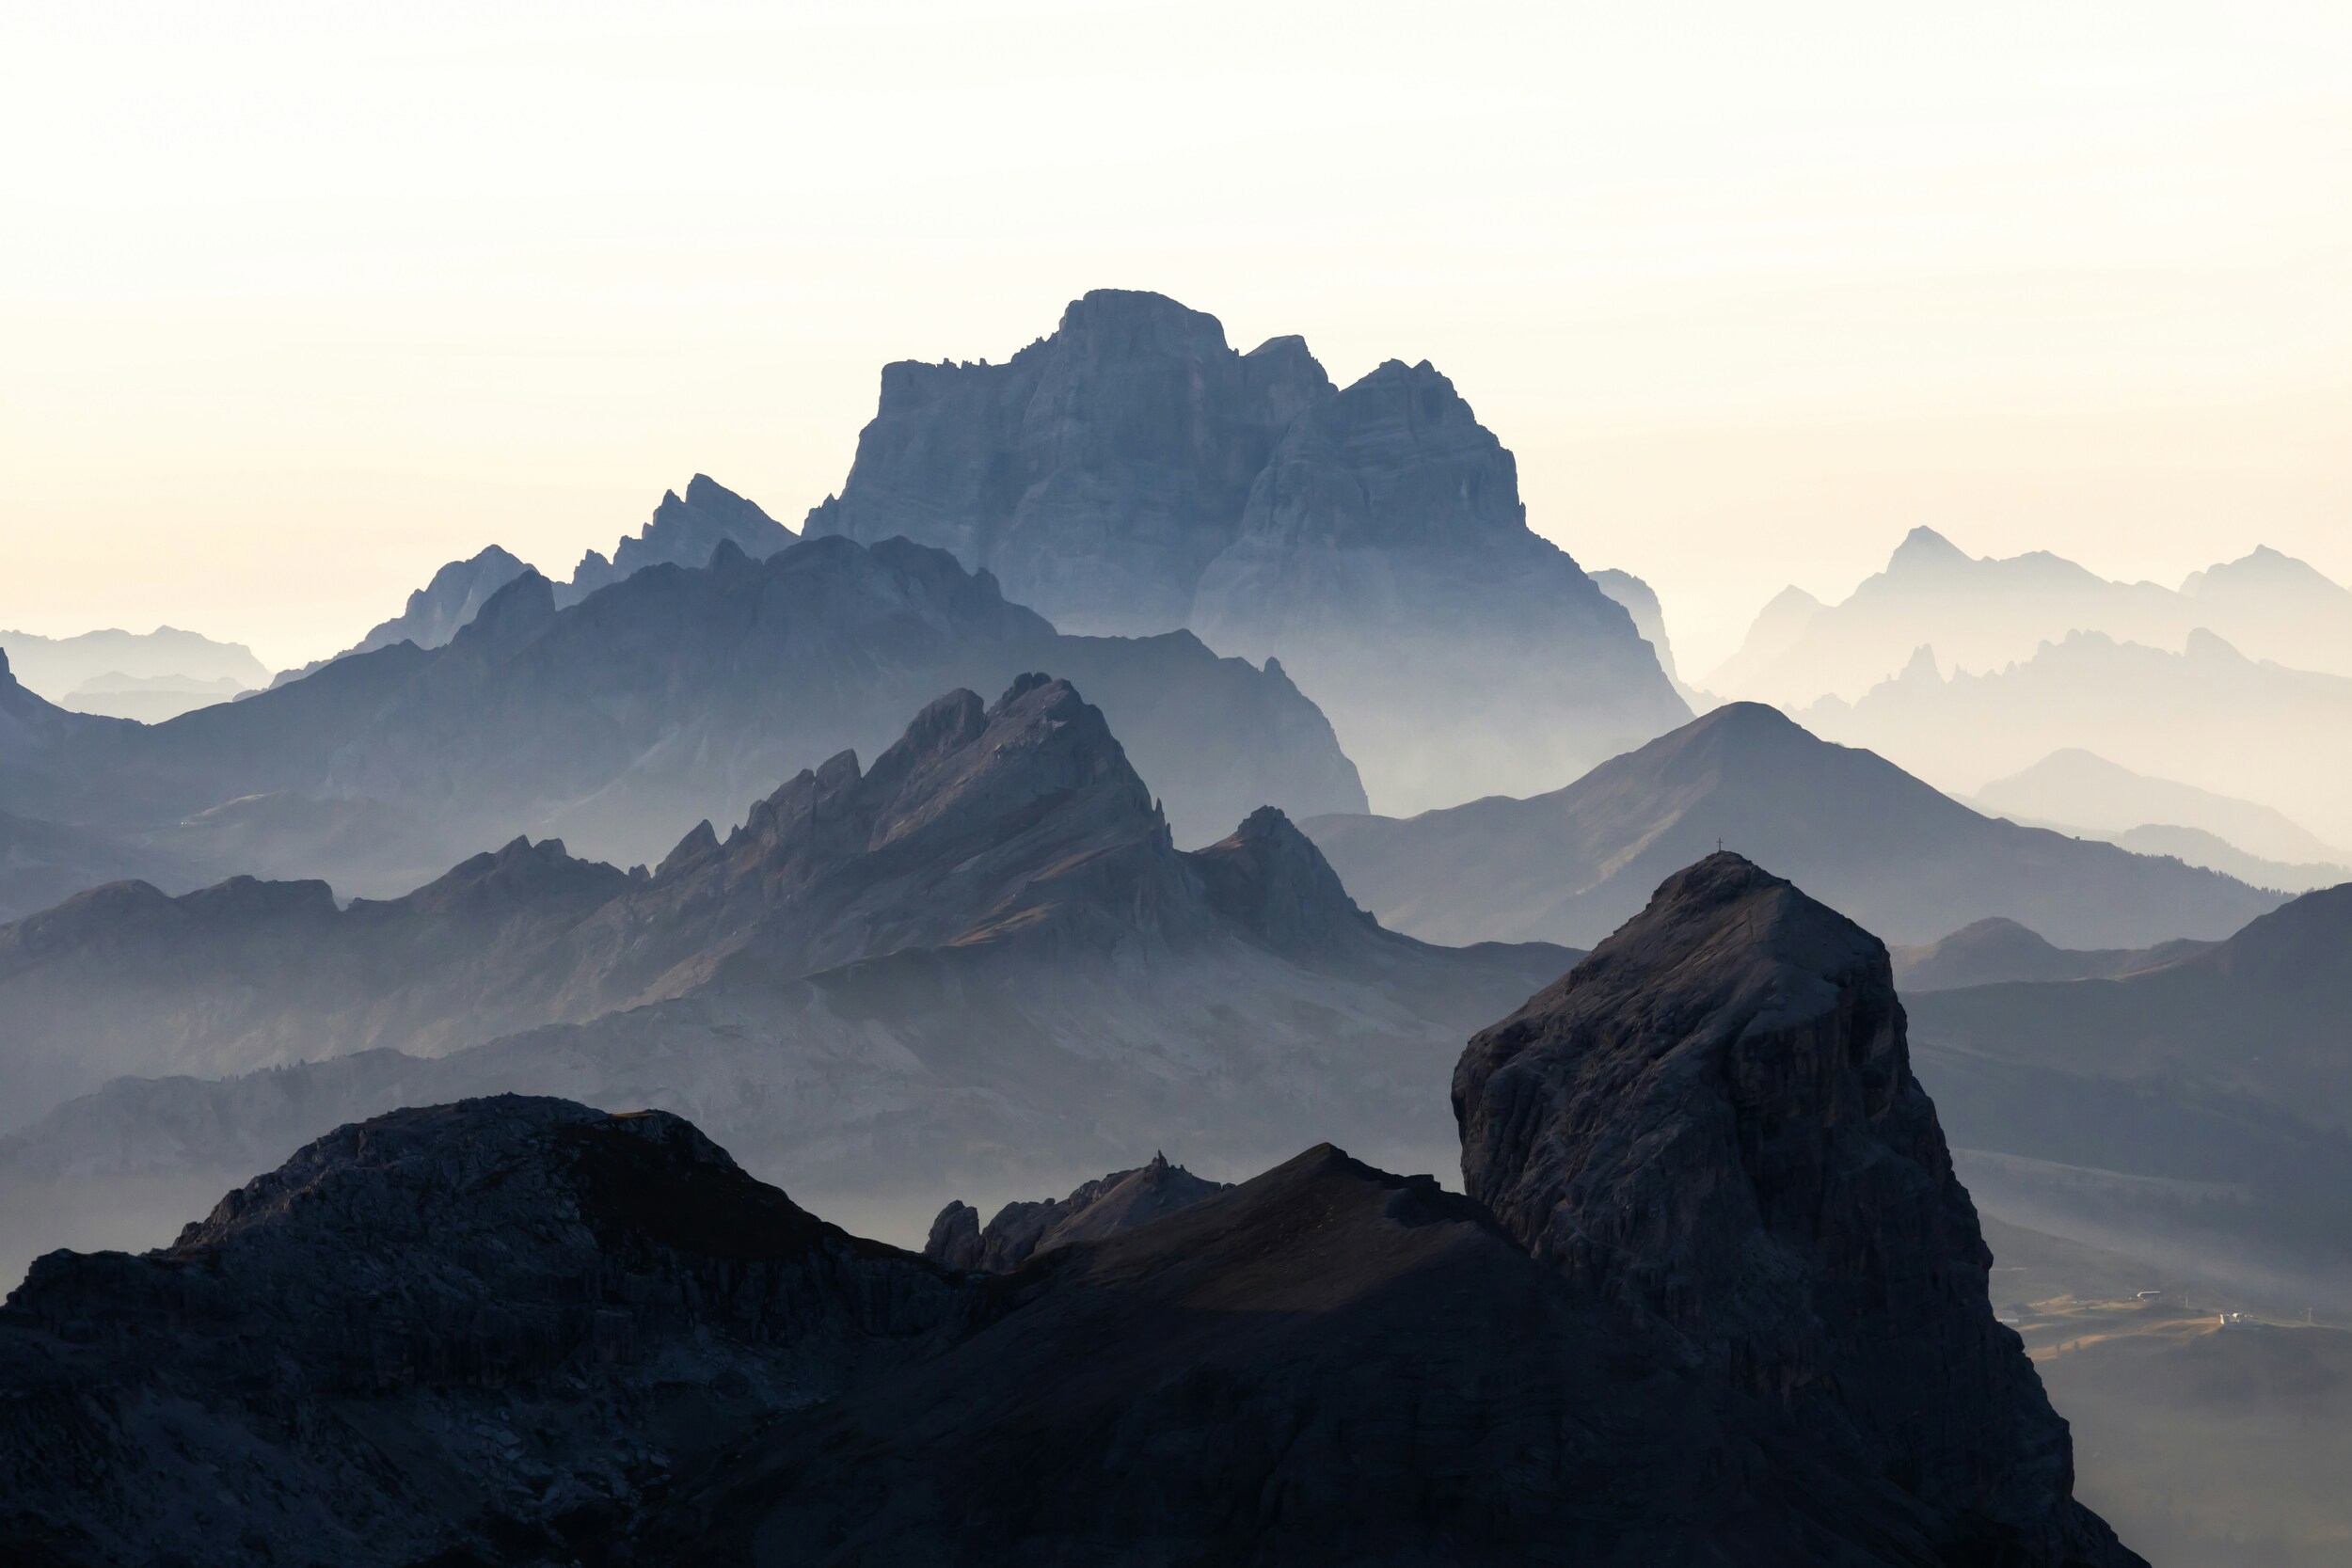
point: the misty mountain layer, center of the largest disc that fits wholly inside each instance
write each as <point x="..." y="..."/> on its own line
<point x="1570" y="865"/>
<point x="677" y="694"/>
<point x="2207" y="716"/>
<point x="980" y="959"/>
<point x="1982" y="613"/>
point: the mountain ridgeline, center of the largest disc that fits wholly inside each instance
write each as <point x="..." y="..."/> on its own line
<point x="1909" y="861"/>
<point x="675" y="694"/>
<point x="982" y="960"/>
<point x="1132" y="473"/>
<point x="515" y="1329"/>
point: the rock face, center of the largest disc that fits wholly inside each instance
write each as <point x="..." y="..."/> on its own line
<point x="683" y="531"/>
<point x="1902" y="858"/>
<point x="1133" y="473"/>
<point x="677" y="694"/>
<point x="493" y="1329"/>
<point x="520" y="1331"/>
<point x="1107" y="1206"/>
<point x="1711" y="1122"/>
<point x="1096" y="473"/>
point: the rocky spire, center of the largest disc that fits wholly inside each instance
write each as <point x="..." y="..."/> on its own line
<point x="1712" y="1122"/>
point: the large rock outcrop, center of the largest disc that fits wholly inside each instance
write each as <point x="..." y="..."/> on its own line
<point x="1133" y="473"/>
<point x="1096" y="473"/>
<point x="1711" y="1123"/>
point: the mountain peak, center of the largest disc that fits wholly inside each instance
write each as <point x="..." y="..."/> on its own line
<point x="1924" y="550"/>
<point x="1712" y="1122"/>
<point x="1269" y="878"/>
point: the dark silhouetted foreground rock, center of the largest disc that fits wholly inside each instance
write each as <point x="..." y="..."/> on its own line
<point x="1711" y="1122"/>
<point x="520" y="1331"/>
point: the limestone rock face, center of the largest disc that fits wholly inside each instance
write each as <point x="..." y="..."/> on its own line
<point x="1712" y="1123"/>
<point x="1132" y="473"/>
<point x="1385" y="557"/>
<point x="1095" y="473"/>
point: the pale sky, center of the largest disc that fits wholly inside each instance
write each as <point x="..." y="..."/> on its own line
<point x="298" y="303"/>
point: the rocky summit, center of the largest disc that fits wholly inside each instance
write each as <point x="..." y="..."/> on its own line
<point x="1132" y="473"/>
<point x="1104" y="1207"/>
<point x="1711" y="1123"/>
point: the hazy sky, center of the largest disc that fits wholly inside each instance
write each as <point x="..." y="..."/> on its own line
<point x="298" y="303"/>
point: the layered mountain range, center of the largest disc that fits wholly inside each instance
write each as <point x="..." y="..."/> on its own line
<point x="513" y="1330"/>
<point x="684" y="531"/>
<point x="1132" y="473"/>
<point x="57" y="667"/>
<point x="1984" y="613"/>
<point x="677" y="694"/>
<point x="2201" y="1103"/>
<point x="1571" y="864"/>
<point x="2206" y="716"/>
<point x="980" y="959"/>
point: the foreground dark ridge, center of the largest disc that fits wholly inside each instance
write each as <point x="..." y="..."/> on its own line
<point x="519" y="1330"/>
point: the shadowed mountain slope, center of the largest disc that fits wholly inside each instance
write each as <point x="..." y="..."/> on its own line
<point x="677" y="694"/>
<point x="1133" y="473"/>
<point x="1711" y="1122"/>
<point x="2199" y="1109"/>
<point x="1570" y="865"/>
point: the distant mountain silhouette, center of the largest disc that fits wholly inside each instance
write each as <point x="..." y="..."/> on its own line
<point x="683" y="531"/>
<point x="2087" y="791"/>
<point x="2207" y="716"/>
<point x="1570" y="865"/>
<point x="675" y="694"/>
<point x="1984" y="614"/>
<point x="2205" y="1097"/>
<point x="1991" y="951"/>
<point x="56" y="667"/>
<point x="981" y="958"/>
<point x="1132" y="473"/>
